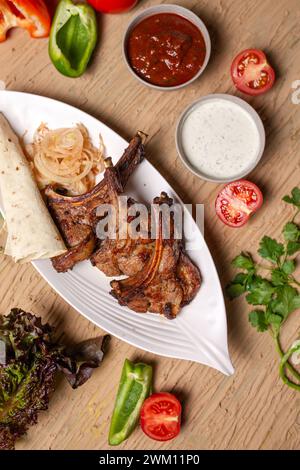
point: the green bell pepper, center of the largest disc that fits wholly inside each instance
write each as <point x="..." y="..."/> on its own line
<point x="134" y="388"/>
<point x="73" y="37"/>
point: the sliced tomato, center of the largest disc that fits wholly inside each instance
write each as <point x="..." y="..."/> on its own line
<point x="251" y="73"/>
<point x="161" y="416"/>
<point x="237" y="201"/>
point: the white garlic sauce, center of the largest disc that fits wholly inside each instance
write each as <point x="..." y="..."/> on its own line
<point x="220" y="139"/>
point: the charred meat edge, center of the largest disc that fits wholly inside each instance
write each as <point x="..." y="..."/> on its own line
<point x="64" y="209"/>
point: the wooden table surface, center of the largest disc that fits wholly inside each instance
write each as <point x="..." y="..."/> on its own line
<point x="252" y="409"/>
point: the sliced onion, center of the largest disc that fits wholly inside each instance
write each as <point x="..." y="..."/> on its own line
<point x="65" y="157"/>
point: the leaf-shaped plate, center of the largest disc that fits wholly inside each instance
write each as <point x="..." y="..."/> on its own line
<point x="199" y="333"/>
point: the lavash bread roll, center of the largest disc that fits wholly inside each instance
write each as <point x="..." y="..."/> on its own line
<point x="32" y="233"/>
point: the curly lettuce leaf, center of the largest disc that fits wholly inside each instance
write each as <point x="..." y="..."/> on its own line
<point x="26" y="393"/>
<point x="27" y="378"/>
<point x="78" y="362"/>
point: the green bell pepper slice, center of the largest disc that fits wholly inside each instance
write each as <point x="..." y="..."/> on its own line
<point x="134" y="388"/>
<point x="73" y="37"/>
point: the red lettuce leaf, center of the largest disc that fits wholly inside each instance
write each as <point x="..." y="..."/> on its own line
<point x="27" y="377"/>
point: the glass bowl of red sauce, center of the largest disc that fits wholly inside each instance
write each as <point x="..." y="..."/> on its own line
<point x="166" y="47"/>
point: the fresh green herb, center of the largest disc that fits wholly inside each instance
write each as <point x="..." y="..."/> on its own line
<point x="244" y="261"/>
<point x="270" y="249"/>
<point x="257" y="318"/>
<point x="291" y="232"/>
<point x="292" y="248"/>
<point x="294" y="198"/>
<point x="276" y="293"/>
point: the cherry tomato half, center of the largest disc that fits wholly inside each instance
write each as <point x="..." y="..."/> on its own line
<point x="112" y="6"/>
<point x="161" y="416"/>
<point x="251" y="73"/>
<point x="237" y="201"/>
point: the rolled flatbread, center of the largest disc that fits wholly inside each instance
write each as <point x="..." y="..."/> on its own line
<point x="32" y="234"/>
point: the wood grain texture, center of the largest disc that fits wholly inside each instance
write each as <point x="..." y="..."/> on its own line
<point x="252" y="409"/>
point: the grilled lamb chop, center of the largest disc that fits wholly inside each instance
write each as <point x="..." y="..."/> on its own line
<point x="161" y="277"/>
<point x="167" y="280"/>
<point x="124" y="255"/>
<point x="76" y="216"/>
<point x="130" y="256"/>
<point x="117" y="257"/>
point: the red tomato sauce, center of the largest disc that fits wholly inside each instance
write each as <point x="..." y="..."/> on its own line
<point x="166" y="49"/>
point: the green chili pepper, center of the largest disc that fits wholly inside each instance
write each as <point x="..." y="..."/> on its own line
<point x="73" y="37"/>
<point x="295" y="348"/>
<point x="134" y="388"/>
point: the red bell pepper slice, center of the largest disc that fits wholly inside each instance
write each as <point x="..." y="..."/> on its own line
<point x="31" y="15"/>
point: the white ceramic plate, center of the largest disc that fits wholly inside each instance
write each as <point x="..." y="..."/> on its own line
<point x="199" y="333"/>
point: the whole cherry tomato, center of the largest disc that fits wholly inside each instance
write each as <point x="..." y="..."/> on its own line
<point x="112" y="6"/>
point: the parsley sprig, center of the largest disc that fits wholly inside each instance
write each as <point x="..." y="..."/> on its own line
<point x="272" y="288"/>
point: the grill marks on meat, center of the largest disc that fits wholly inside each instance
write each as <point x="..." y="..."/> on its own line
<point x="124" y="255"/>
<point x="117" y="257"/>
<point x="161" y="276"/>
<point x="166" y="282"/>
<point x="76" y="216"/>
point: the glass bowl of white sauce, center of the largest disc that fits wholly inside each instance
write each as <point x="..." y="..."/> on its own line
<point x="220" y="138"/>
